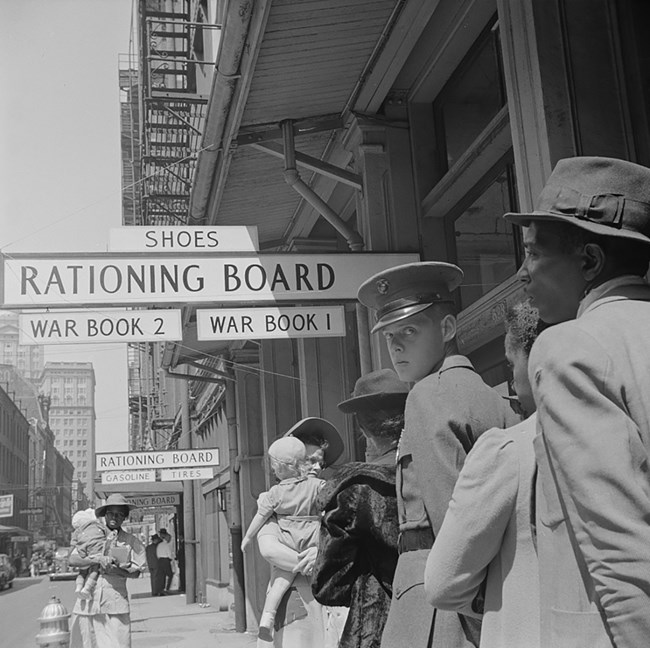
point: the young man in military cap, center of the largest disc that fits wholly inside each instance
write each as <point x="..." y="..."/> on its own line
<point x="587" y="251"/>
<point x="447" y="409"/>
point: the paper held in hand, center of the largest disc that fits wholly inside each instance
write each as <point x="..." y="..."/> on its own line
<point x="121" y="554"/>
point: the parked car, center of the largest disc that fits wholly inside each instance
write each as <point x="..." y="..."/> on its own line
<point x="61" y="567"/>
<point x="7" y="572"/>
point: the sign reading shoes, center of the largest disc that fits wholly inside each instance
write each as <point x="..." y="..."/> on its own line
<point x="262" y="322"/>
<point x="98" y="326"/>
<point x="33" y="280"/>
<point x="183" y="238"/>
<point x="160" y="459"/>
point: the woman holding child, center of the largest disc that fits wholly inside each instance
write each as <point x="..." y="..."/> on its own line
<point x="103" y="621"/>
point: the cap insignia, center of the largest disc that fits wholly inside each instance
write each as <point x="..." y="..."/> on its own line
<point x="382" y="286"/>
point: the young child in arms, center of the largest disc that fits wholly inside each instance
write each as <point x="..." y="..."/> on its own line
<point x="293" y="502"/>
<point x="89" y="537"/>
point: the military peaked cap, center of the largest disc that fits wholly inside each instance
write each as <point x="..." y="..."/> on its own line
<point x="398" y="293"/>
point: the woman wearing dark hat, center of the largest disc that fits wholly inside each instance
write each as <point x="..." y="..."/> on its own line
<point x="104" y="620"/>
<point x="357" y="552"/>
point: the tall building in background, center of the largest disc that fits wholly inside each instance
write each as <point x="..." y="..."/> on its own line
<point x="28" y="360"/>
<point x="71" y="388"/>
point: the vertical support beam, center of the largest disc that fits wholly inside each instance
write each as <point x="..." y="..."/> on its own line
<point x="185" y="442"/>
<point x="235" y="509"/>
<point x="387" y="209"/>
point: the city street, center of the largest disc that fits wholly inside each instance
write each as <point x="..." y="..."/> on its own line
<point x="163" y="622"/>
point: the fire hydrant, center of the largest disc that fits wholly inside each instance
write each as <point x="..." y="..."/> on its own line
<point x="54" y="625"/>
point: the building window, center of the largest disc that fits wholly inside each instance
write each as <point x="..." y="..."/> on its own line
<point x="487" y="247"/>
<point x="472" y="97"/>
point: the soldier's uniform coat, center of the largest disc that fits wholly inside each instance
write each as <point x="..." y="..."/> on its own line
<point x="591" y="382"/>
<point x="445" y="413"/>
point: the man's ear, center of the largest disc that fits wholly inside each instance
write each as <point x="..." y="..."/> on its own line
<point x="593" y="261"/>
<point x="448" y="327"/>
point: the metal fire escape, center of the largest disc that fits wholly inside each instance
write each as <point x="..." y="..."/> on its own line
<point x="163" y="116"/>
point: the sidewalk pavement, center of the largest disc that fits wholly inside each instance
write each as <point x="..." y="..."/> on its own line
<point x="168" y="622"/>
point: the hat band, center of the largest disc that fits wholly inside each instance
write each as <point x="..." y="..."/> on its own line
<point x="417" y="300"/>
<point x="608" y="209"/>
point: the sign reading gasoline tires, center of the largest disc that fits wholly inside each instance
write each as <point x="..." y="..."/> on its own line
<point x="181" y="474"/>
<point x="128" y="476"/>
<point x="162" y="459"/>
<point x="100" y="326"/>
<point x="269" y="323"/>
<point x="39" y="280"/>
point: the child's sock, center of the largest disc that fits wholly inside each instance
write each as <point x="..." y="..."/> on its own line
<point x="267" y="619"/>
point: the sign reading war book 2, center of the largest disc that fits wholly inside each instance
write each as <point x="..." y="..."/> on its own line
<point x="100" y="326"/>
<point x="39" y="280"/>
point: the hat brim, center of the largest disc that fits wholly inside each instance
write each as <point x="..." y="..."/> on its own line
<point x="400" y="314"/>
<point x="381" y="400"/>
<point x="100" y="511"/>
<point x="524" y="220"/>
<point x="318" y="426"/>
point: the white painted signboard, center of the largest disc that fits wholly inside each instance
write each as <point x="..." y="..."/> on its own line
<point x="149" y="501"/>
<point x="183" y="239"/>
<point x="270" y="322"/>
<point x="128" y="476"/>
<point x="100" y="326"/>
<point x="159" y="459"/>
<point x="178" y="474"/>
<point x="38" y="280"/>
<point x="6" y="506"/>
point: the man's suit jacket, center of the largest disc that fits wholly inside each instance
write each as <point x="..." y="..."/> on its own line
<point x="591" y="382"/>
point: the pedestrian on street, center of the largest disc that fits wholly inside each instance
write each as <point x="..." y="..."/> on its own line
<point x="104" y="621"/>
<point x="484" y="558"/>
<point x="152" y="562"/>
<point x="323" y="445"/>
<point x="357" y="551"/>
<point x="587" y="252"/>
<point x="164" y="554"/>
<point x="447" y="409"/>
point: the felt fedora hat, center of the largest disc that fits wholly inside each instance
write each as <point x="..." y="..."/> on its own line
<point x="380" y="389"/>
<point x="317" y="427"/>
<point x="115" y="499"/>
<point x="605" y="196"/>
<point x="402" y="291"/>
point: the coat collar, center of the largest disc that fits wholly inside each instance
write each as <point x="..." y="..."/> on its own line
<point x="456" y="361"/>
<point x="618" y="289"/>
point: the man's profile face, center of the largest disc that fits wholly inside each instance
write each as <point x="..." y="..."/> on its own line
<point x="553" y="279"/>
<point x="415" y="345"/>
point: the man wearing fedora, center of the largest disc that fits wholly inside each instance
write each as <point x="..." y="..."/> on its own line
<point x="587" y="251"/>
<point x="447" y="409"/>
<point x="104" y="620"/>
<point x="357" y="552"/>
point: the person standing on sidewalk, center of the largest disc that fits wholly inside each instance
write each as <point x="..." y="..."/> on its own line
<point x="104" y="621"/>
<point x="164" y="554"/>
<point x="447" y="409"/>
<point x="152" y="562"/>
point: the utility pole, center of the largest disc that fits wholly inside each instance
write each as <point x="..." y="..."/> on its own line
<point x="185" y="443"/>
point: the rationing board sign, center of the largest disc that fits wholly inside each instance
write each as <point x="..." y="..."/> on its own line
<point x="100" y="326"/>
<point x="66" y="280"/>
<point x="270" y="322"/>
<point x="150" y="501"/>
<point x="160" y="459"/>
<point x="178" y="238"/>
